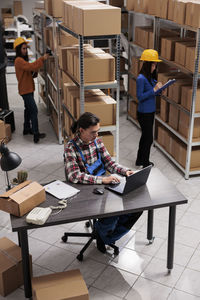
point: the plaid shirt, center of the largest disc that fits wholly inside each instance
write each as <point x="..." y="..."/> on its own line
<point x="75" y="168"/>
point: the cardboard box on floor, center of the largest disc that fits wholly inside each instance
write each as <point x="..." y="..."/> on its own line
<point x="108" y="140"/>
<point x="60" y="286"/>
<point x="11" y="274"/>
<point x="8" y="132"/>
<point x="186" y="98"/>
<point x="22" y="198"/>
<point x="2" y="130"/>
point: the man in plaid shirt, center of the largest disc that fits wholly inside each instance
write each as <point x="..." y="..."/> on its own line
<point x="84" y="151"/>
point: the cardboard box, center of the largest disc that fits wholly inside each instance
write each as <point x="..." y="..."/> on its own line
<point x="141" y="6"/>
<point x="168" y="141"/>
<point x="184" y="124"/>
<point x="102" y="106"/>
<point x="168" y="47"/>
<point x="154" y="7"/>
<point x="186" y="98"/>
<point x="108" y="140"/>
<point x="7" y="12"/>
<point x="190" y="59"/>
<point x="17" y="8"/>
<point x="136" y="65"/>
<point x="164" y="110"/>
<point x="192" y="14"/>
<point x="2" y="130"/>
<point x="180" y="11"/>
<point x="130" y="4"/>
<point x="143" y="36"/>
<point x="84" y="16"/>
<point x="57" y="8"/>
<point x="195" y="156"/>
<point x="67" y="39"/>
<point x="8" y="132"/>
<point x="118" y="3"/>
<point x="133" y="109"/>
<point x="170" y="15"/>
<point x="48" y="6"/>
<point x="66" y="285"/>
<point x="173" y="116"/>
<point x="132" y="88"/>
<point x="174" y="147"/>
<point x="161" y="136"/>
<point x="11" y="273"/>
<point x="124" y="21"/>
<point x="163" y="11"/>
<point x="174" y="91"/>
<point x="8" y="22"/>
<point x="22" y="198"/>
<point x="180" y="51"/>
<point x="97" y="68"/>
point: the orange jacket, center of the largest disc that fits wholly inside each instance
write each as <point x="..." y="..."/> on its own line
<point x="24" y="71"/>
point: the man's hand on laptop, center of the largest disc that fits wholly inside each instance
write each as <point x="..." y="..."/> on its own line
<point x="129" y="172"/>
<point x="110" y="179"/>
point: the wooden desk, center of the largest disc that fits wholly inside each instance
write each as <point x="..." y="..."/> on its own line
<point x="157" y="193"/>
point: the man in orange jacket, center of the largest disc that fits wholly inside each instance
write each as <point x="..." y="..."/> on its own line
<point x="24" y="73"/>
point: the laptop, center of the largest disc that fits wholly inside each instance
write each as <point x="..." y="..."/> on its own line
<point x="131" y="183"/>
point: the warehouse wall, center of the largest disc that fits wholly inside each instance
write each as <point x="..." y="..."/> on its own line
<point x="27" y="7"/>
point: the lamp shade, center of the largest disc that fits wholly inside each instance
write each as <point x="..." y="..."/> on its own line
<point x="9" y="160"/>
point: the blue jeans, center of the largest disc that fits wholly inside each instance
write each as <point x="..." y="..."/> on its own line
<point x="112" y="229"/>
<point x="30" y="113"/>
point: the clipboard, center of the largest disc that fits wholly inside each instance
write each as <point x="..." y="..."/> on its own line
<point x="168" y="83"/>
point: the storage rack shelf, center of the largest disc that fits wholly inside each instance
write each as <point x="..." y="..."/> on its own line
<point x="190" y="141"/>
<point x="55" y="104"/>
<point x="103" y="85"/>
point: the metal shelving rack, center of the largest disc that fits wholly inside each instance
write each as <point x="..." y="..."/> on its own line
<point x="47" y="77"/>
<point x="189" y="142"/>
<point x="113" y="85"/>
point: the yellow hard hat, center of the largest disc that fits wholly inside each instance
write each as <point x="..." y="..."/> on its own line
<point x="19" y="41"/>
<point x="150" y="55"/>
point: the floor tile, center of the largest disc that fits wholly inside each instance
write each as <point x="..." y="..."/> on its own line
<point x="194" y="262"/>
<point x="96" y="294"/>
<point x="191" y="220"/>
<point x="189" y="282"/>
<point x="115" y="281"/>
<point x="157" y="271"/>
<point x="131" y="261"/>
<point x="179" y="295"/>
<point x="187" y="236"/>
<point x="145" y="289"/>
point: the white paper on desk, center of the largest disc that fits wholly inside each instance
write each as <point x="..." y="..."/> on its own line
<point x="60" y="189"/>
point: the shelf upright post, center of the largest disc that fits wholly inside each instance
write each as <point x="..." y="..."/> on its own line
<point x="81" y="66"/>
<point x="59" y="107"/>
<point x="156" y="31"/>
<point x="129" y="26"/>
<point x="192" y="111"/>
<point x="118" y="97"/>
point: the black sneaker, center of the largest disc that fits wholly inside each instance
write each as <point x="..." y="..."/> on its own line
<point x="100" y="244"/>
<point x="138" y="163"/>
<point x="150" y="163"/>
<point x="27" y="131"/>
<point x="38" y="136"/>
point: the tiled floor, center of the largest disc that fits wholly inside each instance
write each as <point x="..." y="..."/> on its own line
<point x="139" y="272"/>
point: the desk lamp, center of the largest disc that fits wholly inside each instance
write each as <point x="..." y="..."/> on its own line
<point x="9" y="161"/>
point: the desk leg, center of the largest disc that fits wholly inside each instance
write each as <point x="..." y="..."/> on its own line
<point x="150" y="237"/>
<point x="171" y="236"/>
<point x="25" y="263"/>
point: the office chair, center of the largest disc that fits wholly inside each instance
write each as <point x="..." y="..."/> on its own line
<point x="92" y="234"/>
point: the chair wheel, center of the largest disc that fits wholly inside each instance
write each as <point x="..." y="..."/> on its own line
<point x="80" y="257"/>
<point x="87" y="224"/>
<point x="64" y="238"/>
<point x="116" y="251"/>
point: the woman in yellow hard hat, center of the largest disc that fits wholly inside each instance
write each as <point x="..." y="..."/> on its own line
<point x="24" y="73"/>
<point x="147" y="86"/>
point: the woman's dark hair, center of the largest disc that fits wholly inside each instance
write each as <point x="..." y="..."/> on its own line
<point x="146" y="71"/>
<point x="19" y="52"/>
<point x="85" y="121"/>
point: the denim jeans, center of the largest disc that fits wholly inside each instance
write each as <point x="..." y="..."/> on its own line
<point x="30" y="113"/>
<point x="112" y="229"/>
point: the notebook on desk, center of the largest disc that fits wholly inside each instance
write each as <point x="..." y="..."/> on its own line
<point x="60" y="189"/>
<point x="131" y="182"/>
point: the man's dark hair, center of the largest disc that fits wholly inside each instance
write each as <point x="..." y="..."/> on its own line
<point x="85" y="121"/>
<point x="146" y="71"/>
<point x="19" y="52"/>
